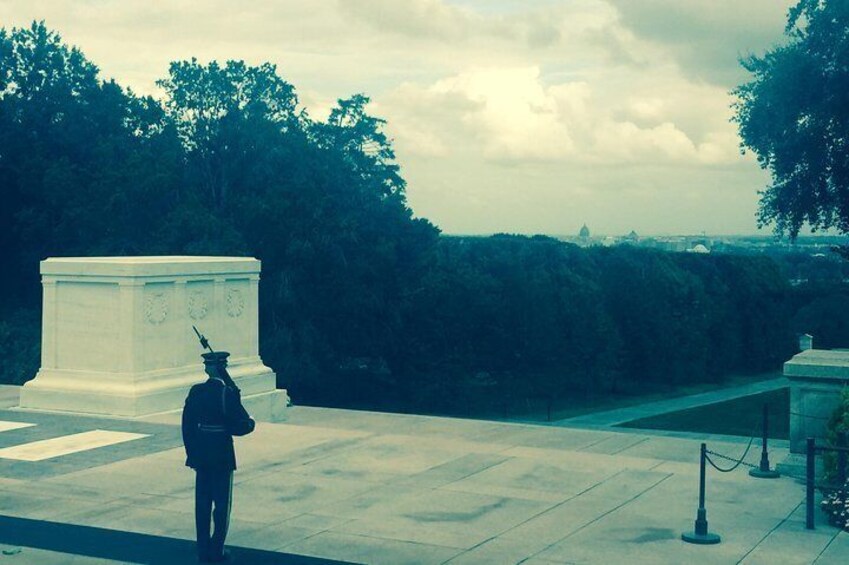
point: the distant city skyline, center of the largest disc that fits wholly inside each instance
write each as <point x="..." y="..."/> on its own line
<point x="764" y="233"/>
<point x="507" y="116"/>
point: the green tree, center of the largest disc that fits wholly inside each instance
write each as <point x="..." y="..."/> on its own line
<point x="359" y="300"/>
<point x="660" y="311"/>
<point x="794" y="115"/>
<point x="827" y="319"/>
<point x="86" y="167"/>
<point x="225" y="115"/>
<point x="321" y="203"/>
<point x="362" y="141"/>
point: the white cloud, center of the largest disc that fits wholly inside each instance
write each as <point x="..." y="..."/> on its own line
<point x="514" y="116"/>
<point x="428" y="19"/>
<point x="511" y="114"/>
<point x="650" y="108"/>
<point x="706" y="37"/>
<point x="508" y="115"/>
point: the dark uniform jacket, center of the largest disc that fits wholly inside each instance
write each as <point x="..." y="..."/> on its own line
<point x="207" y="432"/>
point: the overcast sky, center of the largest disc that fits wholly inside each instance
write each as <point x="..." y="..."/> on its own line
<point x="525" y="116"/>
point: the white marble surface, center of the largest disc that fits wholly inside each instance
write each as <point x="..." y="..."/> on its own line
<point x="819" y="363"/>
<point x="8" y="426"/>
<point x="66" y="445"/>
<point x="817" y="378"/>
<point x="117" y="334"/>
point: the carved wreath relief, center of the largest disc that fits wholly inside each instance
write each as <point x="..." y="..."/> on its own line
<point x="235" y="303"/>
<point x="198" y="305"/>
<point x="156" y="308"/>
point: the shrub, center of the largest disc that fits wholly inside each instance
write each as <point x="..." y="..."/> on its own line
<point x="836" y="502"/>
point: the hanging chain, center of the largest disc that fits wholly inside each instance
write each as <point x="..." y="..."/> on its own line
<point x="737" y="462"/>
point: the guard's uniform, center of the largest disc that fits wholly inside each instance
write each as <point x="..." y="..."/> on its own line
<point x="212" y="412"/>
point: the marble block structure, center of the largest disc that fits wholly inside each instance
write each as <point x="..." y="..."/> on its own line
<point x="117" y="334"/>
<point x="817" y="378"/>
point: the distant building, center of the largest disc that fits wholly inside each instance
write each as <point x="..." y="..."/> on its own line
<point x="632" y="238"/>
<point x="583" y="239"/>
<point x="699" y="248"/>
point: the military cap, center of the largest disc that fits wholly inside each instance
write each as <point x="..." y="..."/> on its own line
<point x="215" y="358"/>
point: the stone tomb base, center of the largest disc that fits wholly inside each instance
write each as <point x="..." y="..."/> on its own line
<point x="117" y="336"/>
<point x="817" y="378"/>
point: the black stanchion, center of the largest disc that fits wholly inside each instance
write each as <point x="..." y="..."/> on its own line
<point x="701" y="535"/>
<point x="809" y="483"/>
<point x="763" y="471"/>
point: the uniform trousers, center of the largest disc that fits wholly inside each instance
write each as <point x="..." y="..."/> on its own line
<point x="213" y="487"/>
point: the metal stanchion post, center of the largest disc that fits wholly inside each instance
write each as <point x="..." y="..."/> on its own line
<point x="763" y="471"/>
<point x="809" y="484"/>
<point x="701" y="535"/>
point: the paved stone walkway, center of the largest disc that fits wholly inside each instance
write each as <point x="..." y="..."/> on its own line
<point x="386" y="488"/>
<point x="631" y="413"/>
<point x="43" y="427"/>
<point x="9" y="395"/>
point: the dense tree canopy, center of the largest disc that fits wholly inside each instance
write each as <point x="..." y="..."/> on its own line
<point x="85" y="167"/>
<point x="794" y="115"/>
<point x="360" y="302"/>
<point x="225" y="163"/>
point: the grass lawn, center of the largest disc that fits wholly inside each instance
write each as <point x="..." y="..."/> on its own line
<point x="733" y="417"/>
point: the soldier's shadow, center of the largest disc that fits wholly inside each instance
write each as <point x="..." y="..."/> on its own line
<point x="129" y="547"/>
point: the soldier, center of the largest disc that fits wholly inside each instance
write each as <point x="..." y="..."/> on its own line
<point x="213" y="414"/>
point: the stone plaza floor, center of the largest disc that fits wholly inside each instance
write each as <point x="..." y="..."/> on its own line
<point x="365" y="487"/>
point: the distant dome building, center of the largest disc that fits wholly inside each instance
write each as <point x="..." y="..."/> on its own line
<point x="699" y="248"/>
<point x="584" y="233"/>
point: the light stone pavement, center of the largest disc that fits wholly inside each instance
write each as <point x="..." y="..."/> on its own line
<point x="393" y="489"/>
<point x="649" y="409"/>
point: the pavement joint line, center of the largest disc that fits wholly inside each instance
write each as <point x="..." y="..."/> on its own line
<point x="834" y="537"/>
<point x="321" y="531"/>
<point x="766" y="535"/>
<point x="615" y="508"/>
<point x="507" y="448"/>
<point x="294" y="541"/>
<point x="636" y="443"/>
<point x="550" y="509"/>
<point x="593" y="443"/>
<point x="472" y="474"/>
<point x="598" y="518"/>
<point x="389" y="539"/>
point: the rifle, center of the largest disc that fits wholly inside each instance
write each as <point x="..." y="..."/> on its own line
<point x="225" y="376"/>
